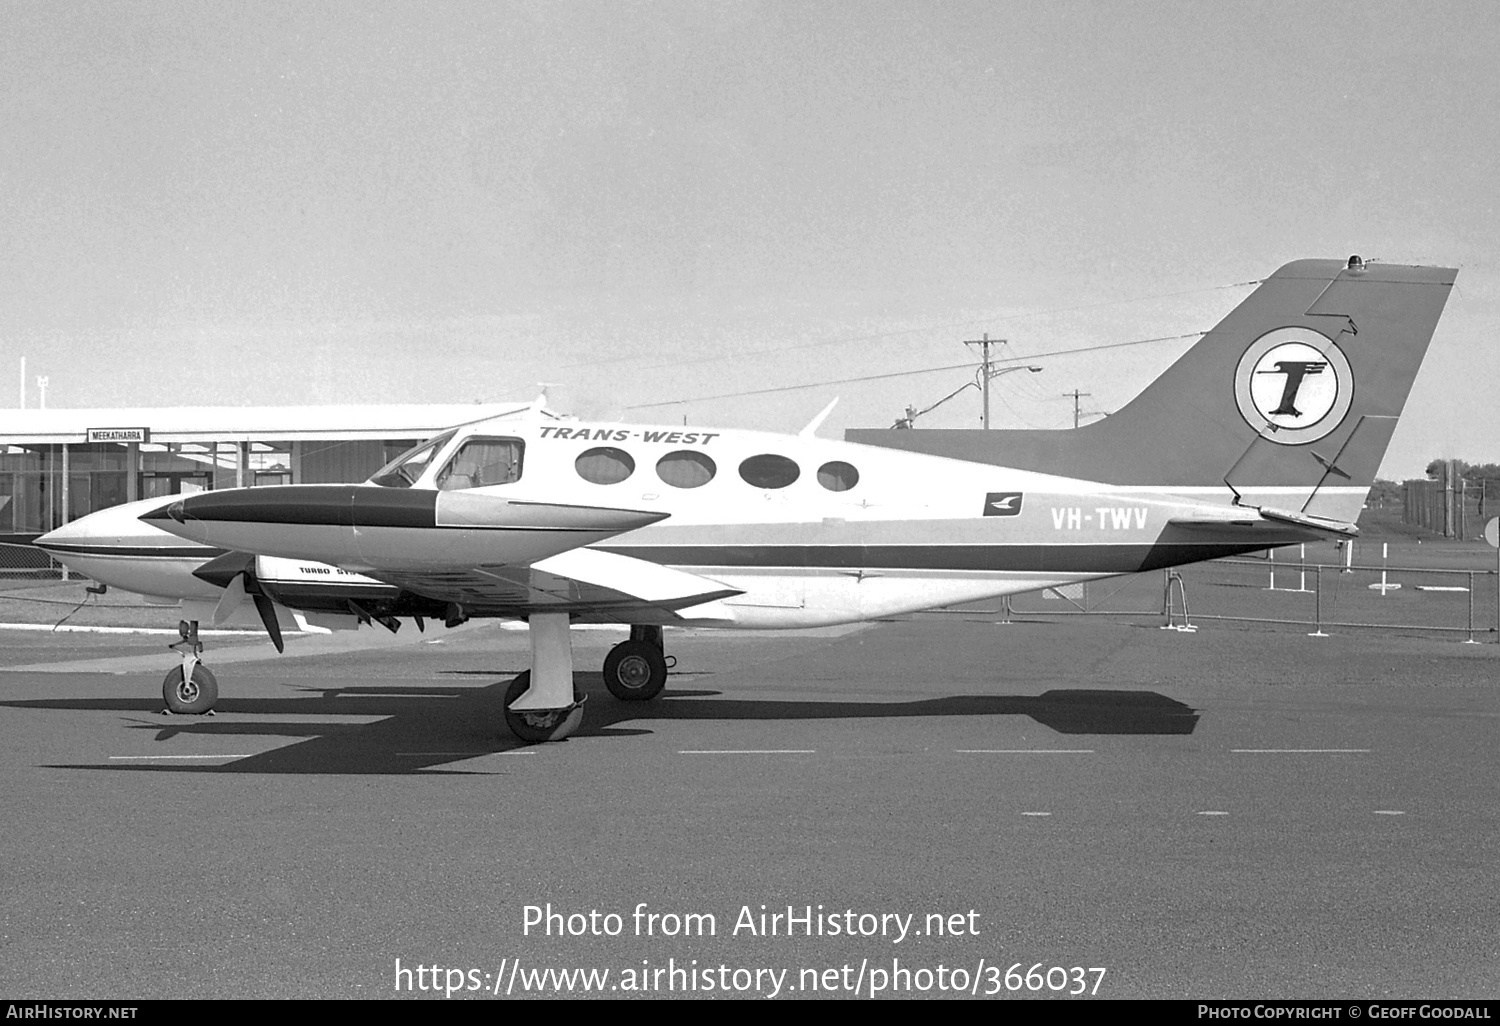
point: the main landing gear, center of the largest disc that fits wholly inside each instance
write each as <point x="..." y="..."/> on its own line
<point x="543" y="705"/>
<point x="636" y="670"/>
<point x="537" y="725"/>
<point x="189" y="689"/>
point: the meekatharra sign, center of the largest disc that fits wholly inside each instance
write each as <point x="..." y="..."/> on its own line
<point x="119" y="434"/>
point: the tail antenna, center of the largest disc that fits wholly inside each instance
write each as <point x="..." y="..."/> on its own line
<point x="538" y="405"/>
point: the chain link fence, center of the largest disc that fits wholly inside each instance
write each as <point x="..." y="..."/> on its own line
<point x="21" y="560"/>
<point x="1448" y="590"/>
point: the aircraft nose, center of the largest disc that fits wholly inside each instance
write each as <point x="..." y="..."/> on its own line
<point x="84" y="530"/>
<point x="74" y="532"/>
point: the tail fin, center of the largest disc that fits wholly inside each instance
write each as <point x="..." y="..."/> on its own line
<point x="1291" y="399"/>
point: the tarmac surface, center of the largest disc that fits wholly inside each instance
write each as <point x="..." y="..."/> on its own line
<point x="1240" y="812"/>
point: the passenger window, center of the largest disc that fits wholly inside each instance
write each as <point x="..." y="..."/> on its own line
<point x="481" y="462"/>
<point x="686" y="469"/>
<point x="769" y="471"/>
<point x="838" y="476"/>
<point x="605" y="466"/>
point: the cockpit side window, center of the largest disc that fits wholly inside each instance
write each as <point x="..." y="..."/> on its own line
<point x="480" y="462"/>
<point x="404" y="470"/>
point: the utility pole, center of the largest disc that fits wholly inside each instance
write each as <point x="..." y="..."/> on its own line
<point x="984" y="373"/>
<point x="41" y="385"/>
<point x="1077" y="395"/>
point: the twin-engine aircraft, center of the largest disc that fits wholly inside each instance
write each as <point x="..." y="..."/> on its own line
<point x="1267" y="432"/>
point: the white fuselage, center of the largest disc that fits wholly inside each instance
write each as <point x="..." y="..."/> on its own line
<point x="806" y="531"/>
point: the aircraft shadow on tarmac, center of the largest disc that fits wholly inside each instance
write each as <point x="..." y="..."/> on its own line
<point x="425" y="727"/>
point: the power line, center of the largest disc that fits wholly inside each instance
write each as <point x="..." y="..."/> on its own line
<point x="1077" y="395"/>
<point x="984" y="371"/>
<point x="794" y="388"/>
<point x="901" y="374"/>
<point x="771" y="351"/>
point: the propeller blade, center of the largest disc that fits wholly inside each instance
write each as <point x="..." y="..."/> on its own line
<point x="267" y="611"/>
<point x="233" y="595"/>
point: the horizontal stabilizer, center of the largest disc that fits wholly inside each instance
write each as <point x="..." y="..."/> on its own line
<point x="1315" y="523"/>
<point x="1250" y="517"/>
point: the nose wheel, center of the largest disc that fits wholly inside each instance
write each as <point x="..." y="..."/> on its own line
<point x="192" y="695"/>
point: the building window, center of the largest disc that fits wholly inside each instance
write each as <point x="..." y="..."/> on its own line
<point x="837" y="476"/>
<point x="605" y="466"/>
<point x="686" y="469"/>
<point x="270" y="463"/>
<point x="482" y="462"/>
<point x="769" y="471"/>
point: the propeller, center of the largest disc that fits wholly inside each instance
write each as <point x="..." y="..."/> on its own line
<point x="235" y="573"/>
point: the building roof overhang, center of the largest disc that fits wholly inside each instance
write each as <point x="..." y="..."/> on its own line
<point x="245" y="423"/>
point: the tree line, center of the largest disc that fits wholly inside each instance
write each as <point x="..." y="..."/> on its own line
<point x="1474" y="473"/>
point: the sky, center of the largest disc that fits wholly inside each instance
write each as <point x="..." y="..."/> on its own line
<point x="646" y="206"/>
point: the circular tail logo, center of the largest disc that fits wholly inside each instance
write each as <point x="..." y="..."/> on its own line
<point x="1293" y="385"/>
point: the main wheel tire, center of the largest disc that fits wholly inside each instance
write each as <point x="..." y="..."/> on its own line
<point x="191" y="697"/>
<point x="540" y="725"/>
<point x="635" y="671"/>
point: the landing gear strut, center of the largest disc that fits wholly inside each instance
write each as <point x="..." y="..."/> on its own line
<point x="542" y="704"/>
<point x="189" y="689"/>
<point x="636" y="670"/>
<point x="536" y="726"/>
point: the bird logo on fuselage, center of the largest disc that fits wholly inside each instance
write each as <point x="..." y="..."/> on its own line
<point x="1002" y="504"/>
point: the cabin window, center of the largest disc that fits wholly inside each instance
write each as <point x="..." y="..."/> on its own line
<point x="481" y="462"/>
<point x="838" y="476"/>
<point x="769" y="471"/>
<point x="686" y="469"/>
<point x="604" y="466"/>
<point x="404" y="470"/>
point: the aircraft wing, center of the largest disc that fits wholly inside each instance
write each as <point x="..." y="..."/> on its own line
<point x="587" y="583"/>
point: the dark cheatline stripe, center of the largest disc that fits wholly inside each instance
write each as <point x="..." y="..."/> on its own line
<point x="1099" y="559"/>
<point x="323" y="505"/>
<point x="330" y="594"/>
<point x="164" y="551"/>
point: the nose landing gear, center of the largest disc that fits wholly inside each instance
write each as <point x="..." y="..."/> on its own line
<point x="190" y="689"/>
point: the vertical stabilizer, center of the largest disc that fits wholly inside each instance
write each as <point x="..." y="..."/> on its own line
<point x="1292" y="397"/>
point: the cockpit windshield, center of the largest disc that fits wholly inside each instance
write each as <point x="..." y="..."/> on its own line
<point x="404" y="470"/>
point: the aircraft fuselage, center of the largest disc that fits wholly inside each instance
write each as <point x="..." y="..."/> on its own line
<point x="803" y="531"/>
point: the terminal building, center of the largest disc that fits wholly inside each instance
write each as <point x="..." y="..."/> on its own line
<point x="57" y="465"/>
